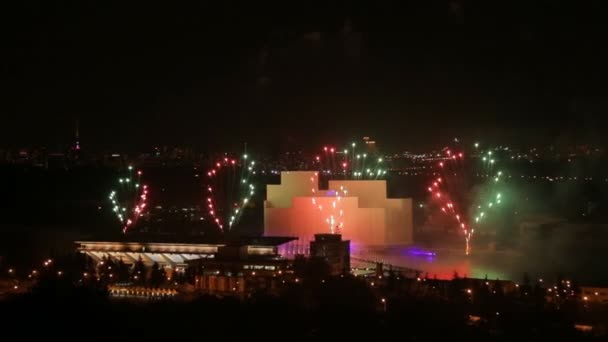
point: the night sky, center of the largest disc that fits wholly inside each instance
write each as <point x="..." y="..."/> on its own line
<point x="291" y="74"/>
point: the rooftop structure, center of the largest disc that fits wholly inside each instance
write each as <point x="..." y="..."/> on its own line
<point x="175" y="251"/>
<point x="334" y="250"/>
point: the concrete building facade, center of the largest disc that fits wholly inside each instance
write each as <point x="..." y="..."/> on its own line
<point x="363" y="213"/>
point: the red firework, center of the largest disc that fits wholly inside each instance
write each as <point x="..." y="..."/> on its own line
<point x="229" y="191"/>
<point x="445" y="200"/>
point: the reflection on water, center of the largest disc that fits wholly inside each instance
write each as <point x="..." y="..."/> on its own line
<point x="577" y="259"/>
<point x="443" y="263"/>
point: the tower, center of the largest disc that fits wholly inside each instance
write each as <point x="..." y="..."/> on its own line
<point x="77" y="137"/>
<point x="334" y="250"/>
<point x="74" y="153"/>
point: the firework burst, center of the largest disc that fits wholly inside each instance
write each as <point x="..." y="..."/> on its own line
<point x="448" y="193"/>
<point x="229" y="190"/>
<point x="333" y="210"/>
<point x="349" y="163"/>
<point x="129" y="199"/>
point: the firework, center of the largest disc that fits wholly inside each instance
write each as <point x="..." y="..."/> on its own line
<point x="349" y="163"/>
<point x="229" y="190"/>
<point x="448" y="192"/>
<point x="444" y="196"/>
<point x="129" y="199"/>
<point x="333" y="210"/>
<point x="491" y="197"/>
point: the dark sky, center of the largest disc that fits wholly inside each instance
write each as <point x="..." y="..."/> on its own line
<point x="280" y="74"/>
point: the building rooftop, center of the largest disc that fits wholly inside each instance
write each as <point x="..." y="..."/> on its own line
<point x="189" y="239"/>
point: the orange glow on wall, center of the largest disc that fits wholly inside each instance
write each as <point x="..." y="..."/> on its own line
<point x="369" y="217"/>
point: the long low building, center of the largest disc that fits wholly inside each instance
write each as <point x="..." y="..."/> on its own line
<point x="357" y="209"/>
<point x="176" y="251"/>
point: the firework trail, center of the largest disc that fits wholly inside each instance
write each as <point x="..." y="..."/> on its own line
<point x="229" y="190"/>
<point x="443" y="196"/>
<point x="449" y="189"/>
<point x="333" y="212"/>
<point x="490" y="198"/>
<point x="349" y="163"/>
<point x="129" y="199"/>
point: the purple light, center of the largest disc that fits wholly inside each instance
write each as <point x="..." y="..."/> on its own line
<point x="420" y="252"/>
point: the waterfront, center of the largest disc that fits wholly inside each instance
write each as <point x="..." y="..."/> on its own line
<point x="509" y="264"/>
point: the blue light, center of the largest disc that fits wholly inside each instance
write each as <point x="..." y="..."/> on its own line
<point x="420" y="252"/>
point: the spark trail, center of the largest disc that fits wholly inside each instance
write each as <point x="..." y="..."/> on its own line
<point x="129" y="199"/>
<point x="334" y="211"/>
<point x="229" y="190"/>
<point x="449" y="190"/>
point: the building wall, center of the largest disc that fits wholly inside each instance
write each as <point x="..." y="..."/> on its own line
<point x="335" y="251"/>
<point x="371" y="193"/>
<point x="369" y="217"/>
<point x="293" y="184"/>
<point x="594" y="294"/>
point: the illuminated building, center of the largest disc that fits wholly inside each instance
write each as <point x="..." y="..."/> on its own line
<point x="222" y="266"/>
<point x="367" y="216"/>
<point x="332" y="249"/>
<point x="174" y="252"/>
<point x="239" y="270"/>
<point x="594" y="294"/>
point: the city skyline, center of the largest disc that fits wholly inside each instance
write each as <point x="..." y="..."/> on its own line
<point x="305" y="169"/>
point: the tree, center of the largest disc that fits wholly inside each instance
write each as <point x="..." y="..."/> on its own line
<point x="456" y="287"/>
<point x="138" y="274"/>
<point x="190" y="274"/>
<point x="482" y="291"/>
<point x="162" y="277"/>
<point x="299" y="265"/>
<point x="179" y="277"/>
<point x="391" y="280"/>
<point x="122" y="271"/>
<point x="317" y="269"/>
<point x="525" y="287"/>
<point x="88" y="264"/>
<point x="111" y="270"/>
<point x="539" y="295"/>
<point x="106" y="270"/>
<point x="157" y="275"/>
<point x="498" y="288"/>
